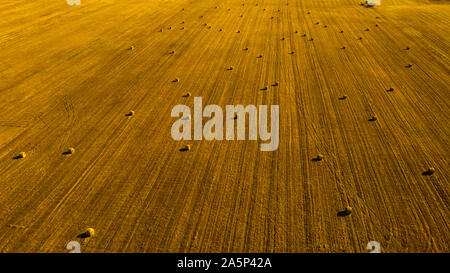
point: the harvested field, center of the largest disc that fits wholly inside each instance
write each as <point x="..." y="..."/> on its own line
<point x="98" y="77"/>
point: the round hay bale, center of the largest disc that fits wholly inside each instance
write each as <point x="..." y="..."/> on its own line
<point x="348" y="210"/>
<point x="430" y="171"/>
<point x="90" y="232"/>
<point x="22" y="155"/>
<point x="71" y="151"/>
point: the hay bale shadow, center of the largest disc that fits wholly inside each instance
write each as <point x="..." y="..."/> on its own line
<point x="343" y="213"/>
<point x="84" y="235"/>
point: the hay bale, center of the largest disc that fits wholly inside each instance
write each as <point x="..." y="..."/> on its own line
<point x="90" y="232"/>
<point x="374" y="118"/>
<point x="343" y="97"/>
<point x="348" y="210"/>
<point x="131" y="48"/>
<point x="430" y="171"/>
<point x="186" y="148"/>
<point x="131" y="113"/>
<point x="21" y="155"/>
<point x="390" y="89"/>
<point x="176" y="80"/>
<point x="319" y="157"/>
<point x="71" y="151"/>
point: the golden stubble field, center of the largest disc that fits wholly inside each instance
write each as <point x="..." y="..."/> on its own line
<point x="70" y="74"/>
